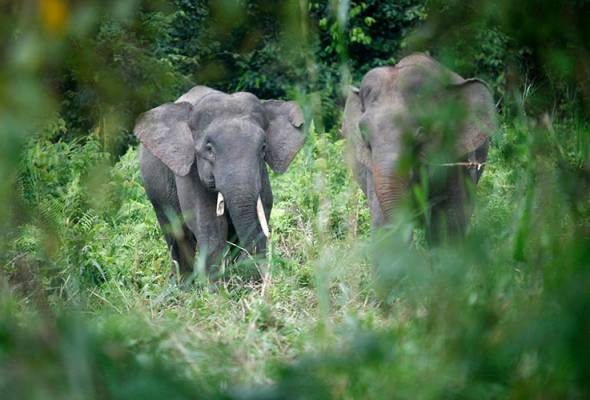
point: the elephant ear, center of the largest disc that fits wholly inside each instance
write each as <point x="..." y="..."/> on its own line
<point x="480" y="114"/>
<point x="357" y="146"/>
<point x="165" y="132"/>
<point x="284" y="133"/>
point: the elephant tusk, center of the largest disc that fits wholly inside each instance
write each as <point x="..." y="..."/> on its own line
<point x="262" y="217"/>
<point x="220" y="204"/>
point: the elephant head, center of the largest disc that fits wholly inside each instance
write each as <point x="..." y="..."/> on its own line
<point x="217" y="145"/>
<point x="415" y="111"/>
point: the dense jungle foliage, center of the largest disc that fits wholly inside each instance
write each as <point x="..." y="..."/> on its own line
<point x="87" y="309"/>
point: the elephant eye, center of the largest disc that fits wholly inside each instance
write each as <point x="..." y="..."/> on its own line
<point x="263" y="148"/>
<point x="209" y="148"/>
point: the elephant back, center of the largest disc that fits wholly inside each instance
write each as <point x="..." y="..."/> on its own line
<point x="196" y="94"/>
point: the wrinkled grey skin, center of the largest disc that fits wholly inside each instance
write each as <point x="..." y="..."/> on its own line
<point x="408" y="118"/>
<point x="208" y="142"/>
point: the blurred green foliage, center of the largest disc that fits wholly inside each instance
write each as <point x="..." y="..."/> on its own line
<point x="61" y="358"/>
<point x="86" y="309"/>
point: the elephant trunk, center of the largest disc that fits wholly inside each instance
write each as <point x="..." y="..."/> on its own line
<point x="389" y="188"/>
<point x="243" y="202"/>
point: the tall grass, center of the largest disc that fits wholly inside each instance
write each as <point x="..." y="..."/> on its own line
<point x="87" y="309"/>
<point x="344" y="313"/>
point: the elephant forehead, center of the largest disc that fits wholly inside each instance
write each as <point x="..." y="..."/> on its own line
<point x="412" y="77"/>
<point x="380" y="76"/>
<point x="376" y="83"/>
<point x="196" y="94"/>
<point x="393" y="111"/>
<point x="385" y="122"/>
<point x="221" y="107"/>
<point x="415" y="81"/>
<point x="233" y="127"/>
<point x="427" y="68"/>
<point x="407" y="84"/>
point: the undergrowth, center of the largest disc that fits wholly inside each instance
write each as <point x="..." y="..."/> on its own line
<point x="343" y="313"/>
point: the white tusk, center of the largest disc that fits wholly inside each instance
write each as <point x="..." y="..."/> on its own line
<point x="220" y="204"/>
<point x="262" y="217"/>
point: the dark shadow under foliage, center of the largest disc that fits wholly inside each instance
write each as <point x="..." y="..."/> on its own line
<point x="58" y="357"/>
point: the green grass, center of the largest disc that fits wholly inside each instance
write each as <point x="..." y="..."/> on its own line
<point x="342" y="313"/>
<point x="111" y="257"/>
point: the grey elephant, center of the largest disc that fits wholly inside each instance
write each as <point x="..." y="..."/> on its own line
<point x="413" y="122"/>
<point x="203" y="162"/>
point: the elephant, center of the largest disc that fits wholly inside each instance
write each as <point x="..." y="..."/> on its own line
<point x="203" y="163"/>
<point x="419" y="123"/>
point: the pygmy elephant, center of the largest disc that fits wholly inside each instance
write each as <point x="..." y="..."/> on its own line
<point x="419" y="125"/>
<point x="203" y="162"/>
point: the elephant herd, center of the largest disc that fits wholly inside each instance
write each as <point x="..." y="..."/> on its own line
<point x="416" y="124"/>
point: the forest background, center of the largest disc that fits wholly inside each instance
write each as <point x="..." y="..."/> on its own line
<point x="86" y="307"/>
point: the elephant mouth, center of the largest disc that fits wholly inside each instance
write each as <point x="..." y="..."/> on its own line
<point x="260" y="214"/>
<point x="210" y="183"/>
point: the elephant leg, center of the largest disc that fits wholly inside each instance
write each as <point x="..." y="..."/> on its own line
<point x="455" y="212"/>
<point x="182" y="245"/>
<point x="460" y="202"/>
<point x="212" y="240"/>
<point x="452" y="206"/>
<point x="210" y="230"/>
<point x="199" y="213"/>
<point x="161" y="190"/>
